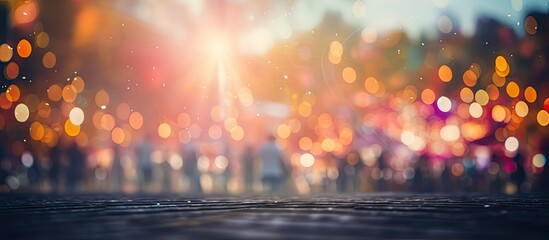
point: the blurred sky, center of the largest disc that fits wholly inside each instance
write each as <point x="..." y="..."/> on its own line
<point x="267" y="22"/>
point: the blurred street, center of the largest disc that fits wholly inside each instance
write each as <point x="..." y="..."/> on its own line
<point x="345" y="216"/>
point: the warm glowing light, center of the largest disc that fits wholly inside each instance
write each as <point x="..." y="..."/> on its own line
<point x="215" y="132"/>
<point x="444" y="104"/>
<point x="237" y="133"/>
<point x="539" y="160"/>
<point x="482" y="97"/>
<point x="530" y="94"/>
<point x="543" y="118"/>
<point x="117" y="135"/>
<point x="164" y="130"/>
<point x="69" y="93"/>
<point x="369" y="35"/>
<point x="283" y="131"/>
<point x="136" y="120"/>
<point x="42" y="40"/>
<point x="305" y="109"/>
<point x="466" y="95"/>
<point x="498" y="113"/>
<point x="475" y="109"/>
<point x="55" y="92"/>
<point x="450" y="133"/>
<point x="36" y="131"/>
<point x="513" y="89"/>
<point x="71" y="129"/>
<point x="76" y="116"/>
<point x="13" y="93"/>
<point x="123" y="111"/>
<point x="44" y="109"/>
<point x="498" y="81"/>
<point x="470" y="78"/>
<point x="305" y="143"/>
<point x="108" y="122"/>
<point x="445" y="73"/>
<point x="349" y="75"/>
<point x="428" y="96"/>
<point x="511" y="144"/>
<point x="493" y="92"/>
<point x="245" y="97"/>
<point x="501" y="64"/>
<point x="102" y="99"/>
<point x="21" y="112"/>
<point x="78" y="84"/>
<point x="11" y="71"/>
<point x="359" y="10"/>
<point x="328" y="145"/>
<point x="521" y="108"/>
<point x="6" y="52"/>
<point x="371" y="85"/>
<point x="531" y="25"/>
<point x="24" y="48"/>
<point x="307" y="160"/>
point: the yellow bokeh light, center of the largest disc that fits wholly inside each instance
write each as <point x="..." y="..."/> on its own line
<point x="71" y="129"/>
<point x="21" y="112"/>
<point x="466" y="95"/>
<point x="55" y="92"/>
<point x="498" y="113"/>
<point x="13" y="93"/>
<point x="328" y="145"/>
<point x="245" y="97"/>
<point x="336" y="49"/>
<point x="117" y="135"/>
<point x="36" y="131"/>
<point x="108" y="122"/>
<point x="24" y="48"/>
<point x="136" y="120"/>
<point x="445" y="73"/>
<point x="305" y="109"/>
<point x="349" y="75"/>
<point x="498" y="81"/>
<point x="305" y="143"/>
<point x="513" y="89"/>
<point x="69" y="93"/>
<point x="428" y="96"/>
<point x="530" y="94"/>
<point x="501" y="64"/>
<point x="369" y="35"/>
<point x="283" y="131"/>
<point x="102" y="98"/>
<point x="521" y="108"/>
<point x="49" y="60"/>
<point x="493" y="92"/>
<point x="346" y="136"/>
<point x="371" y="85"/>
<point x="543" y="118"/>
<point x="78" y="84"/>
<point x="237" y="133"/>
<point x="359" y="10"/>
<point x="6" y="52"/>
<point x="164" y="130"/>
<point x="482" y="97"/>
<point x="470" y="78"/>
<point x="307" y="160"/>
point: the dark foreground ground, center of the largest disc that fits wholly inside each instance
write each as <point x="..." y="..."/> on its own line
<point x="346" y="216"/>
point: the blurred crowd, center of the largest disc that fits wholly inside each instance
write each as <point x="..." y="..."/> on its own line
<point x="213" y="168"/>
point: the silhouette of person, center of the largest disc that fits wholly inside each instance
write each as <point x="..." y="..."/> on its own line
<point x="248" y="167"/>
<point x="117" y="173"/>
<point x="56" y="166"/>
<point x="273" y="166"/>
<point x="190" y="166"/>
<point x="381" y="164"/>
<point x="519" y="175"/>
<point x="144" y="151"/>
<point x="76" y="167"/>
